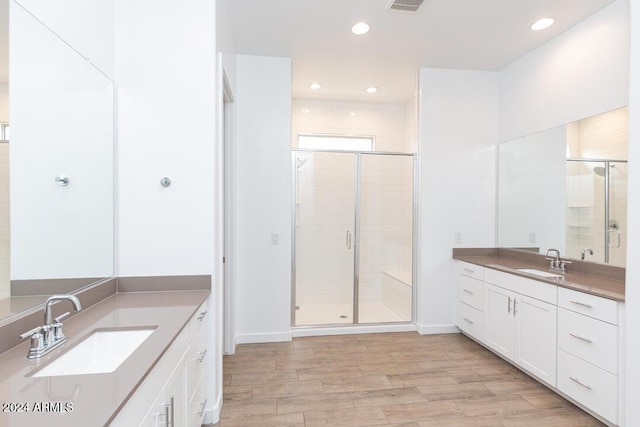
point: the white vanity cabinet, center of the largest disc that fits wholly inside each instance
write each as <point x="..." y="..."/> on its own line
<point x="522" y="327"/>
<point x="567" y="339"/>
<point x="588" y="351"/>
<point x="174" y="392"/>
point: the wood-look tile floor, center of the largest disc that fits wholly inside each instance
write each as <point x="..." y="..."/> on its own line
<point x="400" y="379"/>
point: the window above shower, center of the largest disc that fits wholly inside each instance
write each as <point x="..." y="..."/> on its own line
<point x="336" y="143"/>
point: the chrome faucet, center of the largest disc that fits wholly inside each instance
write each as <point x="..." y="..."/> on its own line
<point x="584" y="251"/>
<point x="50" y="335"/>
<point x="556" y="263"/>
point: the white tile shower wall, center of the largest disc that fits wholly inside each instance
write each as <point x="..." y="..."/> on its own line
<point x="386" y="122"/>
<point x="4" y="220"/>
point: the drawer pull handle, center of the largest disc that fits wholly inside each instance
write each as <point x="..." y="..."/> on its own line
<point x="467" y="291"/>
<point x="468" y="270"/>
<point x="202" y="355"/>
<point x="509" y="305"/>
<point x="581" y="338"/>
<point x="202" y="408"/>
<point x="582" y="304"/>
<point x="577" y="381"/>
<point x="467" y="320"/>
<point x="514" y="306"/>
<point x="204" y="313"/>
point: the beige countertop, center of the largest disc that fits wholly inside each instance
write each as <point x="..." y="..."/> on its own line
<point x="591" y="284"/>
<point x="94" y="398"/>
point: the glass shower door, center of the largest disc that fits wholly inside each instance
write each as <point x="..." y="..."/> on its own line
<point x="385" y="237"/>
<point x="617" y="218"/>
<point x="324" y="237"/>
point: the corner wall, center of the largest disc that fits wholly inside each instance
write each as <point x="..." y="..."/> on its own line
<point x="262" y="200"/>
<point x="458" y="133"/>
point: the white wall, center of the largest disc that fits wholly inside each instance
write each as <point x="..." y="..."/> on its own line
<point x="582" y="72"/>
<point x="458" y="133"/>
<point x="165" y="72"/>
<point x="87" y="26"/>
<point x="262" y="178"/>
<point x="632" y="289"/>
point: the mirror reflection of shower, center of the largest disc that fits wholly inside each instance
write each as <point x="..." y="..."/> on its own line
<point x="597" y="209"/>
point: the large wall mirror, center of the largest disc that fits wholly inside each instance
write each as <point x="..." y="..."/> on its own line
<point x="566" y="188"/>
<point x="57" y="170"/>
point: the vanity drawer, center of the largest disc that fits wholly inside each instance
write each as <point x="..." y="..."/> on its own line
<point x="593" y="387"/>
<point x="471" y="270"/>
<point x="198" y="319"/>
<point x="197" y="405"/>
<point x="589" y="339"/>
<point x="198" y="356"/>
<point x="589" y="305"/>
<point x="470" y="291"/>
<point x="470" y="320"/>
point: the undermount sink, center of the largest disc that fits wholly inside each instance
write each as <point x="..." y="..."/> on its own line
<point x="101" y="352"/>
<point x="540" y="273"/>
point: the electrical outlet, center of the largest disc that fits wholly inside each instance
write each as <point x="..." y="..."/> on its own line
<point x="275" y="239"/>
<point x="457" y="237"/>
<point x="533" y="237"/>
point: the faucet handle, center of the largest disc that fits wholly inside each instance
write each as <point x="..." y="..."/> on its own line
<point x="35" y="331"/>
<point x="62" y="316"/>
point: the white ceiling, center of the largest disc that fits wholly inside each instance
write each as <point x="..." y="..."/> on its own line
<point x="459" y="34"/>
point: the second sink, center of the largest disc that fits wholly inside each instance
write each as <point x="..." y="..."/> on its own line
<point x="539" y="273"/>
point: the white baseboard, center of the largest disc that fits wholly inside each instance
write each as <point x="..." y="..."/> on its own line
<point x="212" y="414"/>
<point x="263" y="338"/>
<point x="348" y="330"/>
<point x="437" y="329"/>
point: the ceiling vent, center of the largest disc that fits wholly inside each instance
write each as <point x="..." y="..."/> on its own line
<point x="405" y="5"/>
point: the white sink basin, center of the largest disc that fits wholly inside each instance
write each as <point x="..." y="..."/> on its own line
<point x="101" y="352"/>
<point x="539" y="272"/>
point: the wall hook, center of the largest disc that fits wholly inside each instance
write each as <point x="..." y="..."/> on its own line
<point x="62" y="180"/>
<point x="165" y="181"/>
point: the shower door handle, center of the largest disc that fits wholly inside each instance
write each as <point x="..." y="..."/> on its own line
<point x="348" y="239"/>
<point x="616" y="233"/>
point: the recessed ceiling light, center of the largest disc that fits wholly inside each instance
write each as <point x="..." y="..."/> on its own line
<point x="541" y="24"/>
<point x="315" y="86"/>
<point x="353" y="114"/>
<point x="372" y="89"/>
<point x="306" y="110"/>
<point x="360" y="28"/>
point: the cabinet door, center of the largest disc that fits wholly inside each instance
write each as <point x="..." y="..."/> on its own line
<point x="535" y="337"/>
<point x="174" y="397"/>
<point x="498" y="319"/>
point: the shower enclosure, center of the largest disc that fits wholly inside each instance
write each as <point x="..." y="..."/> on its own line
<point x="353" y="238"/>
<point x="597" y="210"/>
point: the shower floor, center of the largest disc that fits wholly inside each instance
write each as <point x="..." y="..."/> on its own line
<point x="329" y="314"/>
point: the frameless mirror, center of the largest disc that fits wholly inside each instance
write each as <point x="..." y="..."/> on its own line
<point x="566" y="188"/>
<point x="60" y="220"/>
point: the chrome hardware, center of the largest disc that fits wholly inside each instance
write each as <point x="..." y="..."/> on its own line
<point x="577" y="381"/>
<point x="509" y="305"/>
<point x="165" y="181"/>
<point x="203" y="406"/>
<point x="348" y="239"/>
<point x="202" y="355"/>
<point x="581" y="304"/>
<point x="467" y="291"/>
<point x="514" y="306"/>
<point x="49" y="336"/>
<point x="62" y="180"/>
<point x="581" y="338"/>
<point x="584" y="251"/>
<point x="468" y="270"/>
<point x="467" y="320"/>
<point x="202" y="314"/>
<point x="555" y="263"/>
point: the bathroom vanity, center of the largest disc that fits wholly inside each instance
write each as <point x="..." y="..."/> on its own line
<point x="564" y="330"/>
<point x="163" y="375"/>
